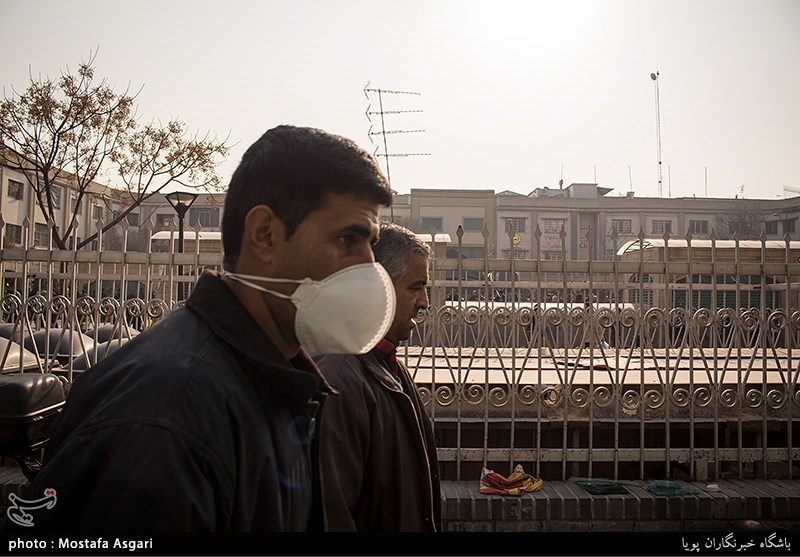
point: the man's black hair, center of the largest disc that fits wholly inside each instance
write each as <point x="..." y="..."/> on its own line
<point x="293" y="170"/>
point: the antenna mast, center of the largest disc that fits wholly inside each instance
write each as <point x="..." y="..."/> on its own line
<point x="654" y="77"/>
<point x="383" y="132"/>
<point x="630" y="179"/>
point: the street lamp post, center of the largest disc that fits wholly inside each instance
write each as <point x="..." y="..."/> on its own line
<point x="181" y="201"/>
<point x="654" y="77"/>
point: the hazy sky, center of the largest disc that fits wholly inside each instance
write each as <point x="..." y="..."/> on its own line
<point x="513" y="95"/>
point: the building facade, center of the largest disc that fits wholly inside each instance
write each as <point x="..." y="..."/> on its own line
<point x="582" y="221"/>
<point x="24" y="223"/>
<point x="577" y="222"/>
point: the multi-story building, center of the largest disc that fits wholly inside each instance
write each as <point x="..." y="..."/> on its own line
<point x="99" y="204"/>
<point x="205" y="213"/>
<point x="578" y="222"/>
<point x="18" y="204"/>
<point x="582" y="221"/>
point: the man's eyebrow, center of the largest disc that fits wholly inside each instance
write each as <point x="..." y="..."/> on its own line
<point x="357" y="230"/>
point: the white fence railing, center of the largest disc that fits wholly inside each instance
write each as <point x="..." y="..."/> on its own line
<point x="660" y="365"/>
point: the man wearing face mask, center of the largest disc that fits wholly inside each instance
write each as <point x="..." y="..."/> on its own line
<point x="379" y="459"/>
<point x="207" y="421"/>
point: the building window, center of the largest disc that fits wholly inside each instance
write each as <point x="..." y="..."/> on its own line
<point x="771" y="227"/>
<point x="515" y="224"/>
<point x="429" y="223"/>
<point x="15" y="189"/>
<point x="554" y="226"/>
<point x="647" y="296"/>
<point x="622" y="226"/>
<point x="551" y="255"/>
<point x="473" y="224"/>
<point x="788" y="226"/>
<point x="205" y="217"/>
<point x="55" y="196"/>
<point x="97" y="212"/>
<point x="164" y="220"/>
<point x="74" y="206"/>
<point x="14" y="234"/>
<point x="133" y="219"/>
<point x="698" y="226"/>
<point x="518" y="254"/>
<point x="583" y="240"/>
<point x="662" y="227"/>
<point x="472" y="252"/>
<point x="41" y="235"/>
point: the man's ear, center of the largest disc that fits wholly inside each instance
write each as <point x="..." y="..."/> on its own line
<point x="262" y="229"/>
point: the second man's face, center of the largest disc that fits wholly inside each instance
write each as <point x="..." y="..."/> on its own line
<point x="412" y="297"/>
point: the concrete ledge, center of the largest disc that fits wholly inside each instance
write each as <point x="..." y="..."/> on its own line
<point x="564" y="506"/>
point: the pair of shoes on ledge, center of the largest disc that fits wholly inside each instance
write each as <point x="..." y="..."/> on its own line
<point x="517" y="483"/>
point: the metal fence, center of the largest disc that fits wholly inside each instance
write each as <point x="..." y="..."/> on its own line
<point x="660" y="364"/>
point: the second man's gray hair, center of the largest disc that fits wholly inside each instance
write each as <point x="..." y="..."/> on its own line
<point x="394" y="244"/>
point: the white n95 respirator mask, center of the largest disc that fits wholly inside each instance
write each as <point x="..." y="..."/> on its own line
<point x="347" y="312"/>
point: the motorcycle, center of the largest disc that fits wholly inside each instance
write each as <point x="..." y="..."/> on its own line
<point x="29" y="406"/>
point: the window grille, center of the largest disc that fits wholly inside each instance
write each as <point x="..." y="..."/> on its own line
<point x="553" y="226"/>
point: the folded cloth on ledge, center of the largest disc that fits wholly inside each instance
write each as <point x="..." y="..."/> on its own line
<point x="517" y="483"/>
<point x="603" y="486"/>
<point x="668" y="487"/>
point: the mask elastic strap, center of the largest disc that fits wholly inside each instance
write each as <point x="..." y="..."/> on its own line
<point x="264" y="279"/>
<point x="243" y="280"/>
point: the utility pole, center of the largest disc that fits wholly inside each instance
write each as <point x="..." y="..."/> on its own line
<point x="383" y="132"/>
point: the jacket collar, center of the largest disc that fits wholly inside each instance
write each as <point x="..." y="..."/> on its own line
<point x="220" y="309"/>
<point x="385" y="349"/>
<point x="375" y="364"/>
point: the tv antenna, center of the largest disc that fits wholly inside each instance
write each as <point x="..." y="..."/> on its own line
<point x="383" y="132"/>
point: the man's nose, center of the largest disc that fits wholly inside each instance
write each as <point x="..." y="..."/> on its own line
<point x="422" y="299"/>
<point x="364" y="254"/>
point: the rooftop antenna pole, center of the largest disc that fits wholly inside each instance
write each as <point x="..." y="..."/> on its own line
<point x="384" y="132"/>
<point x="630" y="179"/>
<point x="705" y="169"/>
<point x="654" y="77"/>
<point x="669" y="181"/>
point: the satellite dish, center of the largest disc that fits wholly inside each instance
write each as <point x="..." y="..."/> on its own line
<point x="653" y="76"/>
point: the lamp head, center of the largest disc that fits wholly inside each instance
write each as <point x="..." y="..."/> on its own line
<point x="181" y="200"/>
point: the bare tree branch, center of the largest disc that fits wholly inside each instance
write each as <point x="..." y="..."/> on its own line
<point x="70" y="129"/>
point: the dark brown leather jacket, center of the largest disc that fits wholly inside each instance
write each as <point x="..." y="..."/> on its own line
<point x="380" y="471"/>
